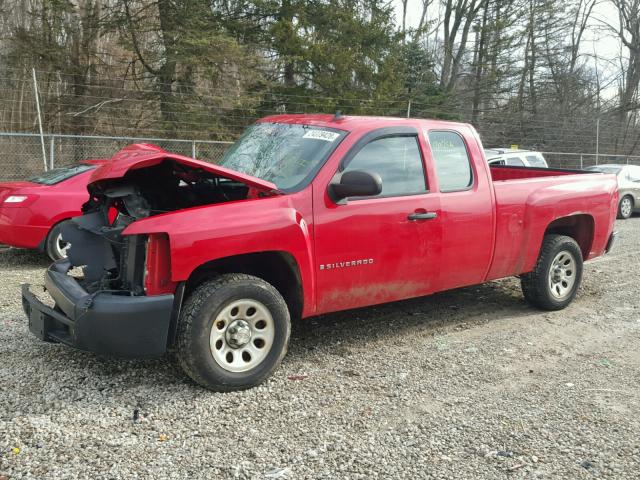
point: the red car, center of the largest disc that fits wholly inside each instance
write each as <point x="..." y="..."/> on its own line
<point x="307" y="214"/>
<point x="32" y="212"/>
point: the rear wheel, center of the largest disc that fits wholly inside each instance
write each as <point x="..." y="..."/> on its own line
<point x="233" y="332"/>
<point x="55" y="246"/>
<point x="625" y="208"/>
<point x="555" y="280"/>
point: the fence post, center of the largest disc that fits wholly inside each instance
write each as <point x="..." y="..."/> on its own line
<point x="52" y="152"/>
<point x="581" y="167"/>
<point x="193" y="149"/>
<point x="37" y="95"/>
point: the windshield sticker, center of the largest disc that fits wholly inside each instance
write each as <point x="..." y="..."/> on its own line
<point x="325" y="135"/>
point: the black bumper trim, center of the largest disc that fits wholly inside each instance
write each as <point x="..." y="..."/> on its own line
<point x="105" y="323"/>
<point x="611" y="242"/>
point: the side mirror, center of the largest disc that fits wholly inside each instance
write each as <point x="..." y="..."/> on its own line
<point x="355" y="183"/>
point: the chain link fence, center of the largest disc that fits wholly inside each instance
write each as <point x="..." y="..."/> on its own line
<point x="23" y="154"/>
<point x="583" y="160"/>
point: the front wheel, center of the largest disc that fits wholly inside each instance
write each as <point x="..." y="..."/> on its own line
<point x="555" y="280"/>
<point x="625" y="209"/>
<point x="233" y="332"/>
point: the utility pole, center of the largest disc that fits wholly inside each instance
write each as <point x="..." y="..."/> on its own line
<point x="35" y="92"/>
<point x="597" y="139"/>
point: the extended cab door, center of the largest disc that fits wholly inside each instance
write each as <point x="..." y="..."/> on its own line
<point x="467" y="207"/>
<point x="378" y="249"/>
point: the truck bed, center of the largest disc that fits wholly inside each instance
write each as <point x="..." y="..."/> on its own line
<point x="501" y="173"/>
<point x="530" y="199"/>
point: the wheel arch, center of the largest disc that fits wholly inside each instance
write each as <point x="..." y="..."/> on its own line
<point x="279" y="268"/>
<point x="580" y="227"/>
<point x="625" y="194"/>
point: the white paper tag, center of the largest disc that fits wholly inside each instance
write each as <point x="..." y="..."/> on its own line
<point x="325" y="135"/>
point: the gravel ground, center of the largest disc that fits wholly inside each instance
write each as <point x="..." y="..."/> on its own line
<point x="471" y="383"/>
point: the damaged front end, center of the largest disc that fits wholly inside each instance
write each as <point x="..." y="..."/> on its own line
<point x="113" y="293"/>
<point x="113" y="262"/>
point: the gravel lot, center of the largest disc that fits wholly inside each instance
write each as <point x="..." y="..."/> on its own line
<point x="467" y="384"/>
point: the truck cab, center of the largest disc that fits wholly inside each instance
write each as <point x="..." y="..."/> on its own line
<point x="306" y="215"/>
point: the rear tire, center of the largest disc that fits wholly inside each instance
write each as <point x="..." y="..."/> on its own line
<point x="625" y="207"/>
<point x="55" y="247"/>
<point x="233" y="332"/>
<point x="555" y="280"/>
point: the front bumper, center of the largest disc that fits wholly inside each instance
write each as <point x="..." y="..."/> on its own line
<point x="103" y="322"/>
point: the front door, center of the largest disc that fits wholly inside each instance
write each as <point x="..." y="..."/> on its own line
<point x="383" y="248"/>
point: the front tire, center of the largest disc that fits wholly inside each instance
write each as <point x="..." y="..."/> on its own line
<point x="233" y="332"/>
<point x="625" y="208"/>
<point x="555" y="280"/>
<point x="55" y="247"/>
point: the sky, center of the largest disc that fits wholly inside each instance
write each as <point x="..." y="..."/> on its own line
<point x="598" y="40"/>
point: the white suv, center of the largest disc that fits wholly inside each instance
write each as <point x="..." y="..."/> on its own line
<point x="516" y="158"/>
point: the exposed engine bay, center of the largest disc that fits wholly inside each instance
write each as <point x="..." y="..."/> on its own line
<point x="116" y="263"/>
<point x="163" y="188"/>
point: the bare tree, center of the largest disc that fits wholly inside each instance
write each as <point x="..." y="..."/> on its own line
<point x="458" y="19"/>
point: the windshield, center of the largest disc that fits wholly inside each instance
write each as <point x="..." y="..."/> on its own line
<point x="58" y="175"/>
<point x="285" y="154"/>
<point x="605" y="169"/>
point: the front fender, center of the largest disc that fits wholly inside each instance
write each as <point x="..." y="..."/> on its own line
<point x="203" y="234"/>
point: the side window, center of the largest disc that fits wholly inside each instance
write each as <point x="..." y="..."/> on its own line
<point x="515" y="161"/>
<point x="451" y="160"/>
<point x="398" y="162"/>
<point x="536" y="161"/>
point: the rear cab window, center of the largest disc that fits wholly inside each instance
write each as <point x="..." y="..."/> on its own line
<point x="451" y="159"/>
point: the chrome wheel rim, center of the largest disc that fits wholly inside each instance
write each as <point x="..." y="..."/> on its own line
<point x="625" y="207"/>
<point x="562" y="275"/>
<point x="61" y="246"/>
<point x="242" y="335"/>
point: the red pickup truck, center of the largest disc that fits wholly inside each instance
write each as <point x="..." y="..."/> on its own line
<point x="305" y="215"/>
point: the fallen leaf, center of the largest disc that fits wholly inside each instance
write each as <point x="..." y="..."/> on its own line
<point x="15" y="450"/>
<point x="163" y="437"/>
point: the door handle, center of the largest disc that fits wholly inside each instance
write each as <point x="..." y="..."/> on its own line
<point x="422" y="216"/>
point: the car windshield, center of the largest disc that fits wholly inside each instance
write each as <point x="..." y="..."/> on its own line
<point x="606" y="169"/>
<point x="288" y="155"/>
<point x="57" y="175"/>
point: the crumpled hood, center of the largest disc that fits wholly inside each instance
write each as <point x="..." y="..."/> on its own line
<point x="141" y="155"/>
